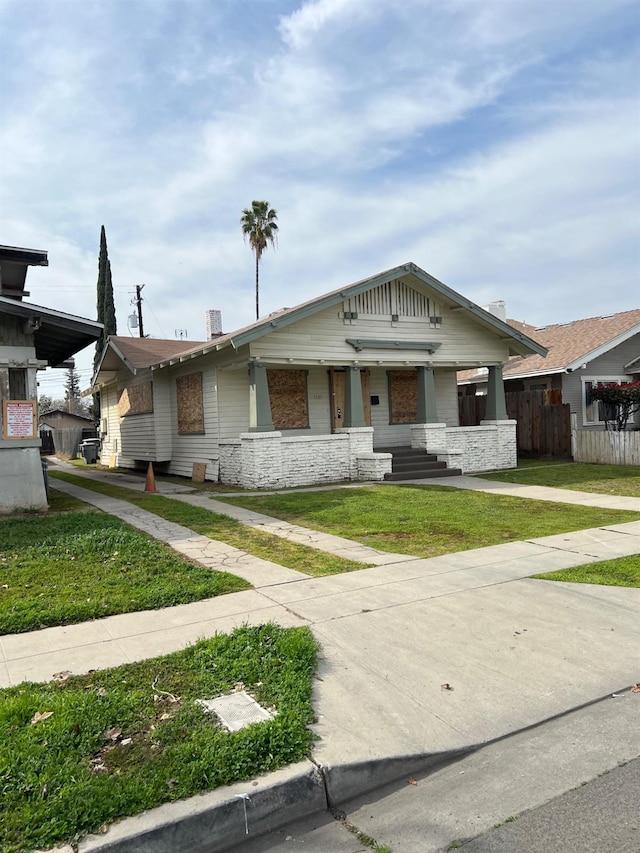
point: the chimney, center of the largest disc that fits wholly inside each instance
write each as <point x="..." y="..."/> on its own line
<point x="498" y="309"/>
<point x="214" y="323"/>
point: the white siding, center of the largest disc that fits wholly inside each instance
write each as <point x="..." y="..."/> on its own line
<point x="187" y="449"/>
<point x="323" y="336"/>
<point x="138" y="437"/>
<point x="233" y="402"/>
<point x="162" y="415"/>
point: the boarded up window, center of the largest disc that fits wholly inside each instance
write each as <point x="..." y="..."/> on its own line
<point x="288" y="394"/>
<point x="403" y="396"/>
<point x="137" y="400"/>
<point x="190" y="405"/>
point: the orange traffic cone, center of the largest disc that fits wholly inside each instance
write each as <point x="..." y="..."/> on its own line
<point x="150" y="482"/>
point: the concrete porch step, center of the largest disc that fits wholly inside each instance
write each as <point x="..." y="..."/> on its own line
<point x="409" y="463"/>
<point x="423" y="463"/>
<point x="421" y="474"/>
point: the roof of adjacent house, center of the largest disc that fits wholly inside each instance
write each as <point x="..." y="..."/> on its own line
<point x="66" y="414"/>
<point x="570" y="345"/>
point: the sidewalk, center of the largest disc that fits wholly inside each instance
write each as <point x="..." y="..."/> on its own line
<point x="514" y="651"/>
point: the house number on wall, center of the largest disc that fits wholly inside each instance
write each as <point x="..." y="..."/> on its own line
<point x="318" y="396"/>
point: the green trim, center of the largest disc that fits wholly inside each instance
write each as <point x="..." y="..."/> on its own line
<point x="496" y="403"/>
<point x="359" y="344"/>
<point x="427" y="411"/>
<point x="259" y="401"/>
<point x="353" y="403"/>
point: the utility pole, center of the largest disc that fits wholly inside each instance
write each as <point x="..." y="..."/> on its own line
<point x="139" y="305"/>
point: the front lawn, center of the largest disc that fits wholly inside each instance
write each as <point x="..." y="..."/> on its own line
<point x="88" y="750"/>
<point x="581" y="476"/>
<point x="425" y="521"/>
<point x="69" y="567"/>
<point x="622" y="571"/>
<point x="225" y="529"/>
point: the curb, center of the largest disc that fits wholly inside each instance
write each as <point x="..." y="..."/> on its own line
<point x="218" y="820"/>
<point x="225" y="818"/>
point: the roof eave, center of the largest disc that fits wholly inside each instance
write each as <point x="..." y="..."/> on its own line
<point x="577" y="363"/>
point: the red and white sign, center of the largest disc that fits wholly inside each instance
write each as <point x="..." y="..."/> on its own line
<point x="19" y="419"/>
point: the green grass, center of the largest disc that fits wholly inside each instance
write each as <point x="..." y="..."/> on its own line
<point x="225" y="529"/>
<point x="117" y="743"/>
<point x="622" y="571"/>
<point x="425" y="521"/>
<point x="72" y="566"/>
<point x="581" y="476"/>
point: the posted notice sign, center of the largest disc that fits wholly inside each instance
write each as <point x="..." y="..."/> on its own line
<point x="19" y="419"/>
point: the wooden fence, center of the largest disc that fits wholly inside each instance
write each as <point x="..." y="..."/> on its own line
<point x="544" y="421"/>
<point x="606" y="447"/>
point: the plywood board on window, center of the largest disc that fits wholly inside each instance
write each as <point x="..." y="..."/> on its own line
<point x="190" y="404"/>
<point x="137" y="400"/>
<point x="403" y="396"/>
<point x="288" y="395"/>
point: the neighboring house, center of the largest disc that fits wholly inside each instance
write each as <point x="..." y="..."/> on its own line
<point x="315" y="393"/>
<point x="31" y="338"/>
<point x="581" y="354"/>
<point x="59" y="419"/>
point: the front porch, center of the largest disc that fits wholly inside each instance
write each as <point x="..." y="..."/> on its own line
<point x="267" y="457"/>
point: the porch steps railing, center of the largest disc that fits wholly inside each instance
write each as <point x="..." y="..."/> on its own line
<point x="410" y="464"/>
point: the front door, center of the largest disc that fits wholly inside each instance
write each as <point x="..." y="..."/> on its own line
<point x="336" y="388"/>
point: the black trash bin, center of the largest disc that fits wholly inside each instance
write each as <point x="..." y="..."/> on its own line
<point x="89" y="450"/>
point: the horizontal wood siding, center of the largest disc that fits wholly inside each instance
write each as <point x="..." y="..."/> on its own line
<point x="324" y="336"/>
<point x="111" y="442"/>
<point x="385" y="434"/>
<point x="233" y="400"/>
<point x="398" y="435"/>
<point x="187" y="449"/>
<point x="138" y="437"/>
<point x="162" y="415"/>
<point x="447" y="396"/>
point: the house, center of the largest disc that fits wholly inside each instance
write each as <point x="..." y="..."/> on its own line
<point x="580" y="355"/>
<point x="326" y="391"/>
<point x="31" y="337"/>
<point x="59" y="419"/>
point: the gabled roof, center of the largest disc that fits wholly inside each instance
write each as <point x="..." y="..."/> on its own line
<point x="140" y="353"/>
<point x="44" y="415"/>
<point x="570" y="345"/>
<point x="520" y="342"/>
<point x="57" y="336"/>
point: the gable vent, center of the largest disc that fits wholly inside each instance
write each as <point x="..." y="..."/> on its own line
<point x="394" y="298"/>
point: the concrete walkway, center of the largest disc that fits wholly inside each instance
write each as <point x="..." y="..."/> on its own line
<point x="421" y="658"/>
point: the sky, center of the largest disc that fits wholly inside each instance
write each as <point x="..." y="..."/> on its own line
<point x="494" y="143"/>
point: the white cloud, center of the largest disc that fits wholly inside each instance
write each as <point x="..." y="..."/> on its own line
<point x="490" y="142"/>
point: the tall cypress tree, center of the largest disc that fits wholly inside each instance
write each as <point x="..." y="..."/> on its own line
<point x="105" y="304"/>
<point x="106" y="308"/>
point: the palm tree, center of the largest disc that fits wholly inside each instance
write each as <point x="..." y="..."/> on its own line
<point x="259" y="227"/>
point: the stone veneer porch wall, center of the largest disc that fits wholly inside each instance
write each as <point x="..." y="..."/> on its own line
<point x="268" y="460"/>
